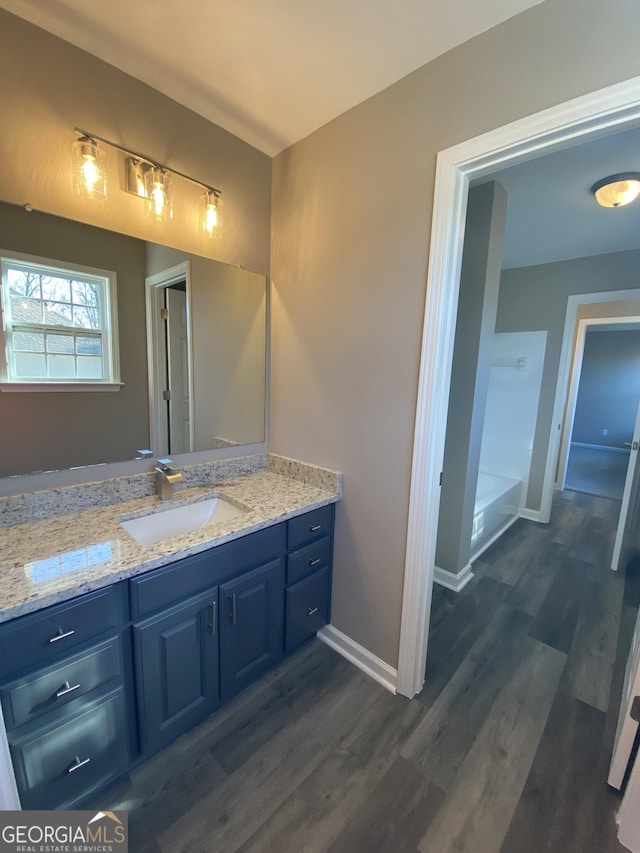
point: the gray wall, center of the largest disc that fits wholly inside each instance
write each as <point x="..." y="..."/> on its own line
<point x="475" y="324"/>
<point x="41" y="431"/>
<point x="535" y="298"/>
<point x="609" y="390"/>
<point x="351" y="219"/>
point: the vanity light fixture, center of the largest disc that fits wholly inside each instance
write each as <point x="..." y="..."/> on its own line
<point x="89" y="173"/>
<point x="617" y="190"/>
<point x="211" y="213"/>
<point x="145" y="178"/>
<point x="157" y="191"/>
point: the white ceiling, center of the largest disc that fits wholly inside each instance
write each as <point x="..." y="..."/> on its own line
<point x="269" y="71"/>
<point x="551" y="212"/>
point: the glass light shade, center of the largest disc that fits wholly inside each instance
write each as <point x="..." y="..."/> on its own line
<point x="89" y="168"/>
<point x="211" y="214"/>
<point x="617" y="190"/>
<point x="157" y="187"/>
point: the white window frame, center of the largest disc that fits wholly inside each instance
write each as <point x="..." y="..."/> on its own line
<point x="111" y="350"/>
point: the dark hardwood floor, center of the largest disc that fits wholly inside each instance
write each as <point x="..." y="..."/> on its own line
<point x="506" y="750"/>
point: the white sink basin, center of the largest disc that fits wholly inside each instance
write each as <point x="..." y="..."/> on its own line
<point x="163" y="524"/>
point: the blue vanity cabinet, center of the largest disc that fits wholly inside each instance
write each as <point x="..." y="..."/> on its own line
<point x="251" y="626"/>
<point x="92" y="686"/>
<point x="309" y="563"/>
<point x="64" y="683"/>
<point x="176" y="657"/>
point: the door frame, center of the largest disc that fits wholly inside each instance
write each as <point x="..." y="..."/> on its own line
<point x="599" y="113"/>
<point x="577" y="335"/>
<point x="154" y="285"/>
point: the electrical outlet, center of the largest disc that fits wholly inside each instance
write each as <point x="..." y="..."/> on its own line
<point x="605" y="432"/>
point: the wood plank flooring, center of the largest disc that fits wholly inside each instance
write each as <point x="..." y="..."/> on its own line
<point x="505" y="750"/>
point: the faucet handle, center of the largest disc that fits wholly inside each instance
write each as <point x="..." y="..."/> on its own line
<point x="144" y="454"/>
<point x="165" y="463"/>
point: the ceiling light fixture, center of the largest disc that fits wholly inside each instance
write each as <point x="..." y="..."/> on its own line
<point x="144" y="177"/>
<point x="617" y="190"/>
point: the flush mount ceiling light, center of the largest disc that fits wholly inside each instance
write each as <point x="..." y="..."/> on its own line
<point x="617" y="190"/>
<point x="144" y="177"/>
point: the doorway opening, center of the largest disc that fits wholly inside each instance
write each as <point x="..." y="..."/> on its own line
<point x="597" y="114"/>
<point x="170" y="360"/>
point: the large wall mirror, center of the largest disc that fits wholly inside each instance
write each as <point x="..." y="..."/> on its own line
<point x="192" y="352"/>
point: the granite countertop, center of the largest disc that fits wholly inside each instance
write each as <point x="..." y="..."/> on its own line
<point x="47" y="561"/>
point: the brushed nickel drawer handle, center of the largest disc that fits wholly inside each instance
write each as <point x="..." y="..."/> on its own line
<point x="316" y="527"/>
<point x="212" y="624"/>
<point x="234" y="613"/>
<point x="312" y="611"/>
<point x="315" y="562"/>
<point x="67" y="688"/>
<point x="61" y="635"/>
<point x="78" y="764"/>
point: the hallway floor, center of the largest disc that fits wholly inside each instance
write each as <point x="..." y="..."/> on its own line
<point x="596" y="471"/>
<point x="505" y="751"/>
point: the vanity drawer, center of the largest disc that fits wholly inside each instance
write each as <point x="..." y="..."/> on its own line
<point x="26" y="699"/>
<point x="307" y="608"/>
<point x="308" y="559"/>
<point x="57" y="764"/>
<point x="40" y="637"/>
<point x="311" y="525"/>
<point x="164" y="587"/>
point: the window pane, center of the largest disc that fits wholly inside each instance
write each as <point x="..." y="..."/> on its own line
<point x="89" y="367"/>
<point x="60" y="344"/>
<point x="62" y="366"/>
<point x="88" y="345"/>
<point x="29" y="365"/>
<point x="57" y="314"/>
<point x="28" y="341"/>
<point x="56" y="289"/>
<point x="24" y="283"/>
<point x="25" y="309"/>
<point x="86" y="318"/>
<point x="85" y="293"/>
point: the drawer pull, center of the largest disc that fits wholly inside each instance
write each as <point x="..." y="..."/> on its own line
<point x="212" y="624"/>
<point x="233" y="615"/>
<point x="61" y="635"/>
<point x="315" y="562"/>
<point x="66" y="688"/>
<point x="315" y="527"/>
<point x="78" y="764"/>
<point x="312" y="610"/>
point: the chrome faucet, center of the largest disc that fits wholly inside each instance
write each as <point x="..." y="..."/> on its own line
<point x="167" y="476"/>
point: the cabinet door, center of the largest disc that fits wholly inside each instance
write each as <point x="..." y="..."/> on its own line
<point x="251" y="626"/>
<point x="176" y="657"/>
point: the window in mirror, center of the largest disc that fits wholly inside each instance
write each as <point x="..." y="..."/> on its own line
<point x="58" y="323"/>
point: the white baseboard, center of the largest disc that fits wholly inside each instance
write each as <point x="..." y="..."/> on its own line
<point x="626" y="450"/>
<point x="456" y="582"/>
<point x="374" y="666"/>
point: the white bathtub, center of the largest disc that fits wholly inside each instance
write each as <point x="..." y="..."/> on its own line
<point x="496" y="507"/>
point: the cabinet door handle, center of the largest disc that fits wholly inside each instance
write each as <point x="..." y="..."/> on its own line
<point x="233" y="615"/>
<point x="312" y="610"/>
<point x="315" y="562"/>
<point x="315" y="527"/>
<point x="66" y="688"/>
<point x="61" y="635"/>
<point x="78" y="764"/>
<point x="212" y="624"/>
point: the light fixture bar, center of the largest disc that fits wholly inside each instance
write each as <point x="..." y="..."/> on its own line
<point x="149" y="160"/>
